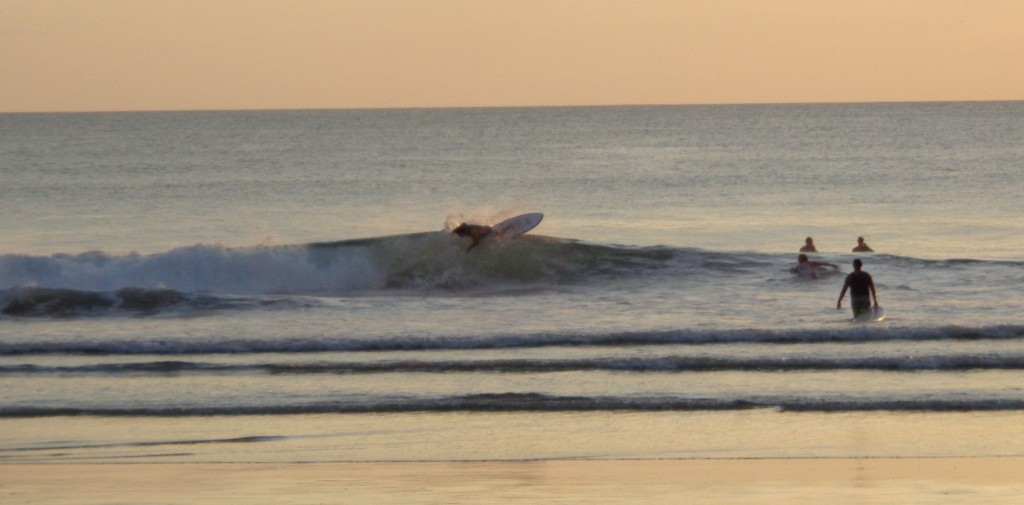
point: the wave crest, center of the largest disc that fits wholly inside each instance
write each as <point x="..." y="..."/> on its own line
<point x="422" y="261"/>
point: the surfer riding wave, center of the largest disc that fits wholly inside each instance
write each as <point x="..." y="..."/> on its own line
<point x="507" y="229"/>
<point x="477" y="232"/>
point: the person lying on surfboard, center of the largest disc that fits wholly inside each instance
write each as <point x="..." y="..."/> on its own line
<point x="477" y="232"/>
<point x="809" y="269"/>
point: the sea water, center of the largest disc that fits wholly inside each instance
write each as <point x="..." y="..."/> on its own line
<point x="284" y="286"/>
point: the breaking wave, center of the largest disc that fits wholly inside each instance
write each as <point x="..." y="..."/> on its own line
<point x="99" y="346"/>
<point x="665" y="364"/>
<point x="213" y="276"/>
<point x="537" y="402"/>
<point x="203" y="277"/>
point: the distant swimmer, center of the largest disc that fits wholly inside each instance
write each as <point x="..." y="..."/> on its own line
<point x="808" y="269"/>
<point x="477" y="232"/>
<point x="862" y="290"/>
<point x="861" y="246"/>
<point x="808" y="246"/>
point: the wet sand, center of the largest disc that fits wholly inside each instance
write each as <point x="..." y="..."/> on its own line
<point x="781" y="481"/>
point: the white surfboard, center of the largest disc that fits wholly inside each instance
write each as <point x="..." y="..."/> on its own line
<point x="875" y="314"/>
<point x="514" y="227"/>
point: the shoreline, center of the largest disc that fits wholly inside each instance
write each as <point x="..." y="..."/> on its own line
<point x="767" y="480"/>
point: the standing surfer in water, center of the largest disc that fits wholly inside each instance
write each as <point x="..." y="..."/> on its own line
<point x="477" y="232"/>
<point x="862" y="290"/>
<point x="809" y="246"/>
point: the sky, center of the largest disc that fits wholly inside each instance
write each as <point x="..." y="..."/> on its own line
<point x="116" y="55"/>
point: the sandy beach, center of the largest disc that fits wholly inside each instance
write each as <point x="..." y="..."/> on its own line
<point x="789" y="481"/>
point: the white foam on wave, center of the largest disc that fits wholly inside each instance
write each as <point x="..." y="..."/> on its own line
<point x="689" y="337"/>
<point x="433" y="260"/>
<point x="198" y="268"/>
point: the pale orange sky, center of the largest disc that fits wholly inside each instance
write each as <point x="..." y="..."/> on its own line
<point x="86" y="55"/>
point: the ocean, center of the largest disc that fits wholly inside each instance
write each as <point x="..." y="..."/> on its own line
<point x="283" y="286"/>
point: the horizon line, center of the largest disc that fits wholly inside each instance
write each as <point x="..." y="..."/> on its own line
<point x="477" y="107"/>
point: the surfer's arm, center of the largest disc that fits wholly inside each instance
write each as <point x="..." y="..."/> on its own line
<point x="839" y="303"/>
<point x="477" y="239"/>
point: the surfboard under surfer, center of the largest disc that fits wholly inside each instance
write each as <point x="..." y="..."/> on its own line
<point x="862" y="290"/>
<point x="477" y="232"/>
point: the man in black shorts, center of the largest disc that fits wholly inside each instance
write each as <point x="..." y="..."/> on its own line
<point x="862" y="290"/>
